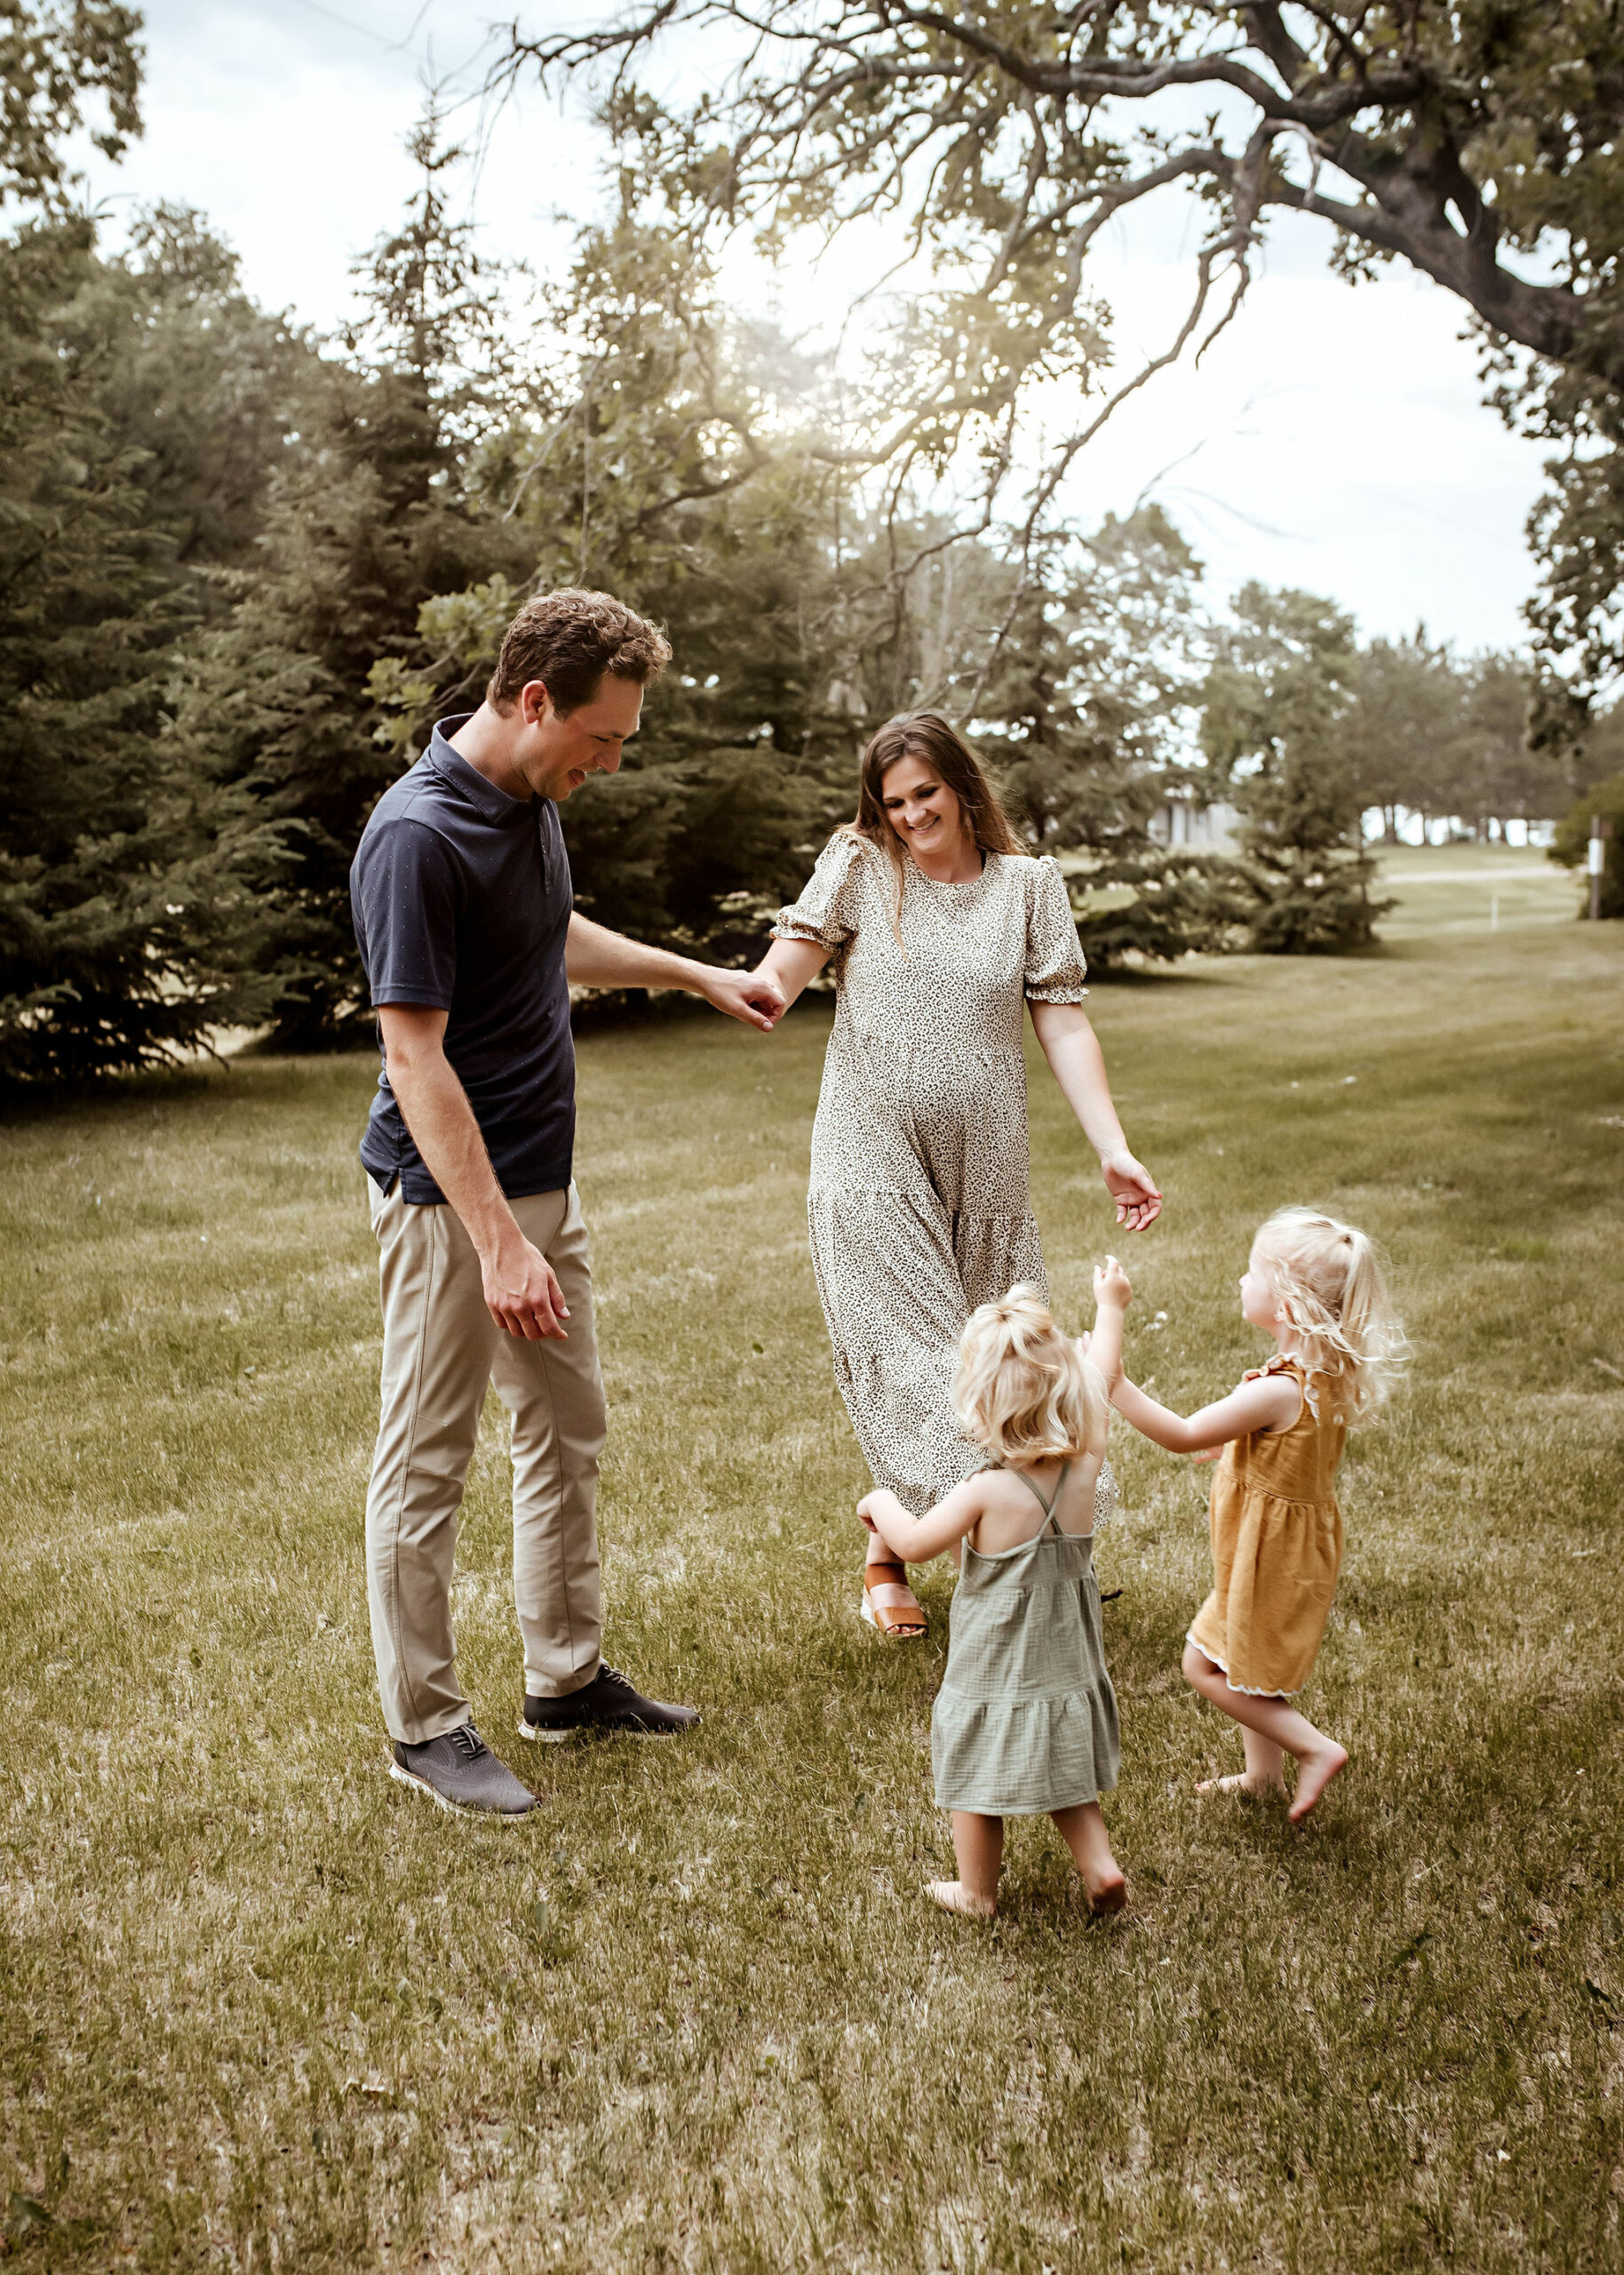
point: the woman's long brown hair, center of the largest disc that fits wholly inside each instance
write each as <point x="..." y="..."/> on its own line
<point x="928" y="736"/>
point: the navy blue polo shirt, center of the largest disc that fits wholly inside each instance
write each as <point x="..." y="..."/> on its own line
<point x="461" y="899"/>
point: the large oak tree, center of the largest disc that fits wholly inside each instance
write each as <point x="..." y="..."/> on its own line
<point x="1479" y="141"/>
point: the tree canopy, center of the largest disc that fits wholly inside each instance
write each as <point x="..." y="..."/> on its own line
<point x="1477" y="143"/>
<point x="244" y="568"/>
<point x="62" y="68"/>
<point x="1484" y="145"/>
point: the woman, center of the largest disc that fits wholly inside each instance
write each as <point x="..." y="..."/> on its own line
<point x="918" y="1202"/>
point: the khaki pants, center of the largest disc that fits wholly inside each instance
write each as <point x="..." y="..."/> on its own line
<point x="442" y="1348"/>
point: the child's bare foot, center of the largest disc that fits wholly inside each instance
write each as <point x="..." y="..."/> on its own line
<point x="1260" y="1789"/>
<point x="1107" y="1891"/>
<point x="1315" y="1772"/>
<point x="952" y="1896"/>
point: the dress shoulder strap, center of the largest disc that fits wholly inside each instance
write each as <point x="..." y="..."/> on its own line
<point x="1065" y="1471"/>
<point x="1048" y="1506"/>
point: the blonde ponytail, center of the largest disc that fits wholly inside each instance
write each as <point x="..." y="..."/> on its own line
<point x="1329" y="1281"/>
<point x="1024" y="1390"/>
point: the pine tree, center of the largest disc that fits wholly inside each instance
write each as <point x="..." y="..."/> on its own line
<point x="142" y="403"/>
<point x="89" y="608"/>
<point x="99" y="952"/>
<point x="1277" y="696"/>
<point x="1571" y="844"/>
<point x="372" y="518"/>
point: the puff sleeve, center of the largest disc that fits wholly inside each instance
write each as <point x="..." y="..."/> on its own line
<point x="1055" y="965"/>
<point x="827" y="910"/>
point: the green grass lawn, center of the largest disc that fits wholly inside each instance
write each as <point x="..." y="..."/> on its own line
<point x="262" y="2009"/>
<point x="1445" y="889"/>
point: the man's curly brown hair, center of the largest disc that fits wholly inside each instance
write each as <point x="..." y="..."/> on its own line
<point x="568" y="640"/>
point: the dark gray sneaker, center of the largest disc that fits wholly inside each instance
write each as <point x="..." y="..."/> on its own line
<point x="461" y="1773"/>
<point x="606" y="1703"/>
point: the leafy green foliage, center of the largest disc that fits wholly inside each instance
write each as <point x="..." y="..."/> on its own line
<point x="141" y="414"/>
<point x="1480" y="144"/>
<point x="1499" y="772"/>
<point x="1397" y="732"/>
<point x="1008" y="134"/>
<point x="52" y="57"/>
<point x="243" y="570"/>
<point x="1572" y="843"/>
<point x="1576" y="532"/>
<point x="1083" y="699"/>
<point x="1426" y="730"/>
<point x="144" y="404"/>
<point x="649" y="481"/>
<point x="369" y="519"/>
<point x="1277" y="698"/>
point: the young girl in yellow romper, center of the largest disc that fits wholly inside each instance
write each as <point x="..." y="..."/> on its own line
<point x="1315" y="1286"/>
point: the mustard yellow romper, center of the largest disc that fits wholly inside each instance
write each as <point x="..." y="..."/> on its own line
<point x="1277" y="1548"/>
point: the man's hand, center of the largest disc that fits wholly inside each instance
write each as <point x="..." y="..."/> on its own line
<point x="596" y="958"/>
<point x="1132" y="1187"/>
<point x="1111" y="1286"/>
<point x="755" y="997"/>
<point x="522" y="1292"/>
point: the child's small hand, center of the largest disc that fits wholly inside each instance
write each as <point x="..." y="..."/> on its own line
<point x="1110" y="1285"/>
<point x="863" y="1512"/>
<point x="1208" y="1453"/>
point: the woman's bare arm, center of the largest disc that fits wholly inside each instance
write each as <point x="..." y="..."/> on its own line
<point x="791" y="965"/>
<point x="1072" y="1048"/>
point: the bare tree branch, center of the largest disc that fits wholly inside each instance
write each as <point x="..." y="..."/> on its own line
<point x="843" y="98"/>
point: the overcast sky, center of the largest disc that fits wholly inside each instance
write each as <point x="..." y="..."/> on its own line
<point x="1334" y="439"/>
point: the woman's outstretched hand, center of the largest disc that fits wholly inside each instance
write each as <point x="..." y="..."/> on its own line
<point x="1132" y="1188"/>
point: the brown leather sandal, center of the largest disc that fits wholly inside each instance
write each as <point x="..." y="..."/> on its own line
<point x="897" y="1622"/>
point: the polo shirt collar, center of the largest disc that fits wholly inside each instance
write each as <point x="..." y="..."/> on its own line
<point x="483" y="794"/>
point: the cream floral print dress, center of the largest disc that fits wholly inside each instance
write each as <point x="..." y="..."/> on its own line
<point x="920" y="1202"/>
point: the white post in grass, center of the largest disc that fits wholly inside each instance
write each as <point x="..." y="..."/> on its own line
<point x="1597" y="854"/>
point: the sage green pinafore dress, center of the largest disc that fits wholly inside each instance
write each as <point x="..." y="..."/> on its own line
<point x="1025" y="1720"/>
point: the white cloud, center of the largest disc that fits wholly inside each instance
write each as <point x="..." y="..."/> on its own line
<point x="1334" y="438"/>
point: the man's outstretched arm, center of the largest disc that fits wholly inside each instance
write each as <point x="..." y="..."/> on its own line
<point x="596" y="958"/>
<point x="522" y="1293"/>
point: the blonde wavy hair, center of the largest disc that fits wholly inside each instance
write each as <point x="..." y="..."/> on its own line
<point x="1329" y="1281"/>
<point x="1024" y="1390"/>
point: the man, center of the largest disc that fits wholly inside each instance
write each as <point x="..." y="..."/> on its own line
<point x="464" y="920"/>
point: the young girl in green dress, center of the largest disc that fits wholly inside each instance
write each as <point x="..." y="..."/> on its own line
<point x="1025" y="1723"/>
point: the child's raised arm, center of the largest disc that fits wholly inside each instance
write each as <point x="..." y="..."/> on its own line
<point x="916" y="1539"/>
<point x="1111" y="1297"/>
<point x="1270" y="1402"/>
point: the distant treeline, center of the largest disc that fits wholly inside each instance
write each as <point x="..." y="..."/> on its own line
<point x="242" y="567"/>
